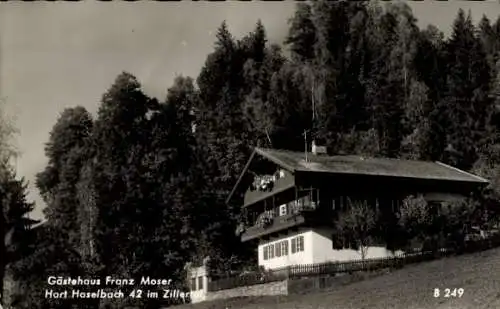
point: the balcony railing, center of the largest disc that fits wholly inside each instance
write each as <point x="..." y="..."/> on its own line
<point x="293" y="207"/>
<point x="267" y="189"/>
<point x="273" y="224"/>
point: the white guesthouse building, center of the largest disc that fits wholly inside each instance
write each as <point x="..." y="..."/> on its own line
<point x="290" y="202"/>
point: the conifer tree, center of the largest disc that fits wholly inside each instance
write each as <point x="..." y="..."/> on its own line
<point x="301" y="34"/>
<point x="14" y="207"/>
<point x="467" y="89"/>
<point x="14" y="223"/>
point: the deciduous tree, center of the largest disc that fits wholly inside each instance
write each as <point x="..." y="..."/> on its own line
<point x="358" y="222"/>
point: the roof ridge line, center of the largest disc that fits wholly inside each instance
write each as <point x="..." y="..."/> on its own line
<point x="462" y="171"/>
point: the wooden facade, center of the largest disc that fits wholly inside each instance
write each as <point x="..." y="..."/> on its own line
<point x="281" y="195"/>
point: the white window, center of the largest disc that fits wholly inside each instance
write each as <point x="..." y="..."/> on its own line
<point x="284" y="247"/>
<point x="297" y="244"/>
<point x="277" y="248"/>
<point x="283" y="210"/>
<point x="300" y="243"/>
<point x="271" y="251"/>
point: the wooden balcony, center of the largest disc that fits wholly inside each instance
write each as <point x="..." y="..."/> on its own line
<point x="280" y="224"/>
<point x="279" y="185"/>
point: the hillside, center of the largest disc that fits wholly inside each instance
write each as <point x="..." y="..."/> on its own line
<point x="411" y="288"/>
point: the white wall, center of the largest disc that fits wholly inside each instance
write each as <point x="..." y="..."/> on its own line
<point x="324" y="252"/>
<point x="303" y="257"/>
<point x="317" y="249"/>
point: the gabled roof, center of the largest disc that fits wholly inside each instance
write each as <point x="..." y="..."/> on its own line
<point x="358" y="165"/>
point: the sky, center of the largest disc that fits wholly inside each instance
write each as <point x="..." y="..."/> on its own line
<point x="56" y="55"/>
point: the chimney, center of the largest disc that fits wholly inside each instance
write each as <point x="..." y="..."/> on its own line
<point x="316" y="150"/>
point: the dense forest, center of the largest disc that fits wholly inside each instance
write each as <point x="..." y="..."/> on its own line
<point x="139" y="188"/>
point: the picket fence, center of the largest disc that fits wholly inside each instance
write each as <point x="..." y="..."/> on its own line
<point x="334" y="268"/>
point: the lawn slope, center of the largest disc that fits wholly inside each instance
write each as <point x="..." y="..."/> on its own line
<point x="409" y="288"/>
